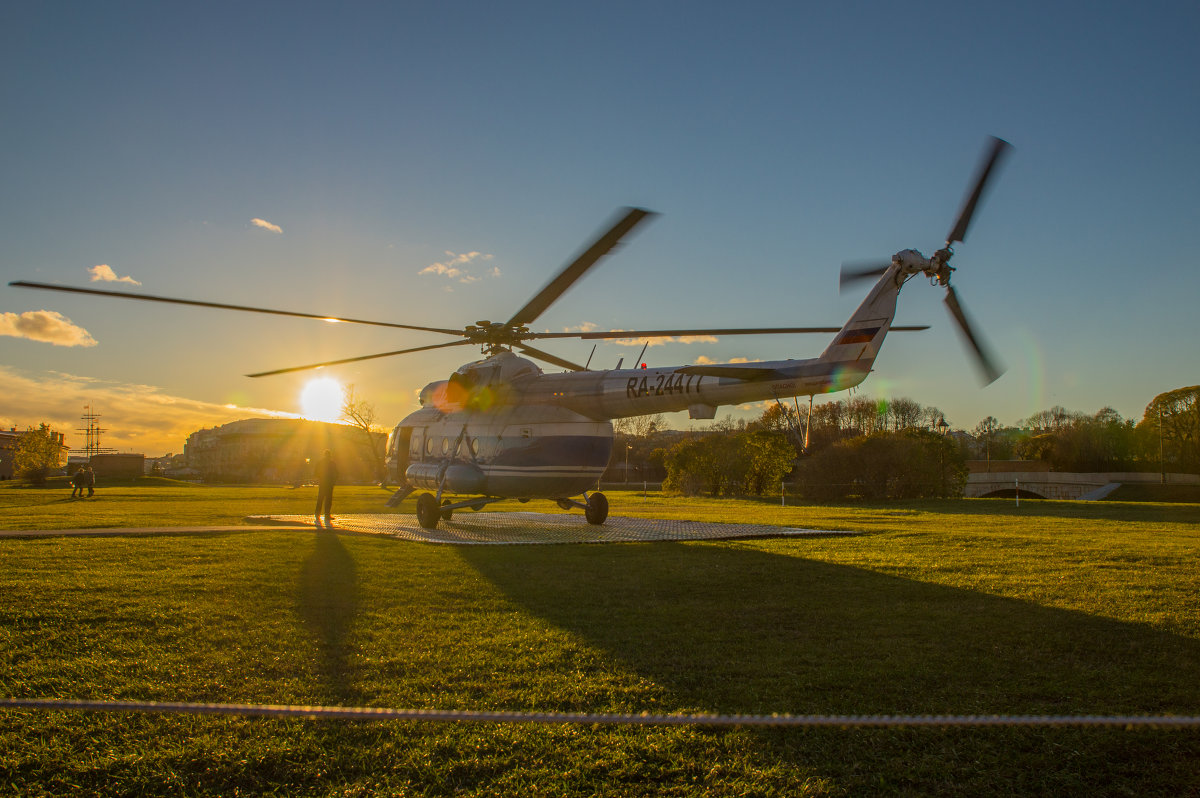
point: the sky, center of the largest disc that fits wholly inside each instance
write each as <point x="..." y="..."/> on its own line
<point x="436" y="163"/>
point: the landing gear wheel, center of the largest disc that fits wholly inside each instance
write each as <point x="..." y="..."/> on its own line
<point x="446" y="514"/>
<point x="428" y="511"/>
<point x="597" y="509"/>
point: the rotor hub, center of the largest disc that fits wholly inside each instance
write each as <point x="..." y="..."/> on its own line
<point x="495" y="336"/>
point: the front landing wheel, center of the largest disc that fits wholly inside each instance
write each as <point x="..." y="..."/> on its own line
<point x="428" y="511"/>
<point x="597" y="509"/>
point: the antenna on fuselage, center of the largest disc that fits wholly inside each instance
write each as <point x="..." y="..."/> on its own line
<point x="643" y="352"/>
<point x="589" y="360"/>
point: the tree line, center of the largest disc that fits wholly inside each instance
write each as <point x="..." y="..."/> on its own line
<point x="897" y="448"/>
<point x="856" y="446"/>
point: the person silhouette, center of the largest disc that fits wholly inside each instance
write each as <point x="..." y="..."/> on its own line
<point x="327" y="475"/>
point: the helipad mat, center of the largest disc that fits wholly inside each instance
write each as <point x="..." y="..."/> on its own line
<point x="512" y="528"/>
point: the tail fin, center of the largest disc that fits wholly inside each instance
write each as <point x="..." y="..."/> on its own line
<point x="854" y="348"/>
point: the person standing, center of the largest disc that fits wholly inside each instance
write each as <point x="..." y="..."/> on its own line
<point x="327" y="475"/>
<point x="78" y="481"/>
<point x="91" y="481"/>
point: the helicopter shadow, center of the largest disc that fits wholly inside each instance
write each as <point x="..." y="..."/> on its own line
<point x="327" y="601"/>
<point x="727" y="628"/>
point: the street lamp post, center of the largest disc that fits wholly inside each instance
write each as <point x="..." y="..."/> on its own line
<point x="942" y="428"/>
<point x="628" y="446"/>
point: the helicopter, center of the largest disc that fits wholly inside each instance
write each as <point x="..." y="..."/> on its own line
<point x="501" y="428"/>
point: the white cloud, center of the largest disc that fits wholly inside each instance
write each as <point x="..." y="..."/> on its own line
<point x="264" y="224"/>
<point x="103" y="272"/>
<point x="454" y="267"/>
<point x="47" y="326"/>
<point x="667" y="339"/>
<point x="138" y="418"/>
<point x="705" y="360"/>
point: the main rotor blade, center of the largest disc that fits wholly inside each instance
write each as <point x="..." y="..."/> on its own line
<point x="578" y="267"/>
<point x="855" y="272"/>
<point x="356" y="359"/>
<point x="151" y="298"/>
<point x="989" y="162"/>
<point x="987" y="363"/>
<point x="714" y="332"/>
<point x="549" y="358"/>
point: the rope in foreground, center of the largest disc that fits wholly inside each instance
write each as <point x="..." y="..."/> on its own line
<point x="644" y="719"/>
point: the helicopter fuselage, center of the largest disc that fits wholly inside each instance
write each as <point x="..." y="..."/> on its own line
<point x="551" y="435"/>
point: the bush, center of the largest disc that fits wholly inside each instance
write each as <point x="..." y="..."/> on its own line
<point x="728" y="464"/>
<point x="909" y="464"/>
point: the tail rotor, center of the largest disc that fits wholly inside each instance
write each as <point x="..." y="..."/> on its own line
<point x="937" y="267"/>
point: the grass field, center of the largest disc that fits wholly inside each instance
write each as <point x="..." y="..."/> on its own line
<point x="941" y="607"/>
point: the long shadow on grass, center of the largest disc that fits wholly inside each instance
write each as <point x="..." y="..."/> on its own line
<point x="727" y="628"/>
<point x="327" y="599"/>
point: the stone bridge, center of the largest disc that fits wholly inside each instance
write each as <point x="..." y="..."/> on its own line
<point x="1061" y="485"/>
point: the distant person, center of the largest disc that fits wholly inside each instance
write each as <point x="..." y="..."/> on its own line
<point x="327" y="475"/>
<point x="78" y="481"/>
<point x="91" y="481"/>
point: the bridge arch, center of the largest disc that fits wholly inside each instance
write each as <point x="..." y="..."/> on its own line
<point x="1011" y="493"/>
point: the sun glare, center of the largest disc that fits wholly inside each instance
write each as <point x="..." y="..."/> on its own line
<point x="321" y="399"/>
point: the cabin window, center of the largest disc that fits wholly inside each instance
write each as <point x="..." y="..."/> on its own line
<point x="429" y="446"/>
<point x="475" y="446"/>
<point x="445" y="446"/>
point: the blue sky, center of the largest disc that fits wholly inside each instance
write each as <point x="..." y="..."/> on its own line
<point x="776" y="139"/>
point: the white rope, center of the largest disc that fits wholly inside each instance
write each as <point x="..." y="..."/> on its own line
<point x="643" y="719"/>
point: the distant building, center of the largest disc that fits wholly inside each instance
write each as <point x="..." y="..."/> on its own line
<point x="8" y="449"/>
<point x="118" y="466"/>
<point x="274" y="450"/>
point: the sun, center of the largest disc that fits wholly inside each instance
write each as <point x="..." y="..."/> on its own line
<point x="321" y="399"/>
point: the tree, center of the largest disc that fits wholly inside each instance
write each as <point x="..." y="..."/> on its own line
<point x="985" y="433"/>
<point x="1170" y="429"/>
<point x="640" y="426"/>
<point x="1071" y="441"/>
<point x="783" y="420"/>
<point x="748" y="463"/>
<point x="913" y="463"/>
<point x="828" y="425"/>
<point x="1056" y="418"/>
<point x="933" y="419"/>
<point x="865" y="415"/>
<point x="699" y="466"/>
<point x="39" y="452"/>
<point x="634" y="440"/>
<point x="778" y="417"/>
<point x="360" y="413"/>
<point x="904" y="413"/>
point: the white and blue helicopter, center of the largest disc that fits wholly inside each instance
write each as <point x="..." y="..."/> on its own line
<point x="502" y="428"/>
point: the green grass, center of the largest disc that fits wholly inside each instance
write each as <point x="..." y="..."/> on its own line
<point x="167" y="503"/>
<point x="942" y="607"/>
<point x="1142" y="492"/>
